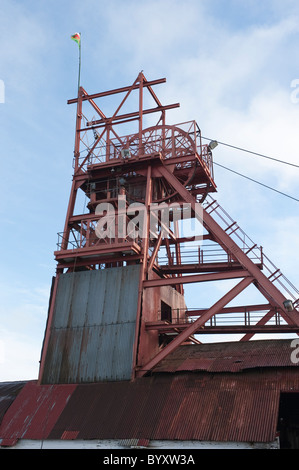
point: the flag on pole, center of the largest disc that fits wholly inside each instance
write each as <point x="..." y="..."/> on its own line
<point x="77" y="38"/>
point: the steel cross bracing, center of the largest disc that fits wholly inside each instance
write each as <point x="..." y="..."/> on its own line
<point x="163" y="164"/>
<point x="251" y="273"/>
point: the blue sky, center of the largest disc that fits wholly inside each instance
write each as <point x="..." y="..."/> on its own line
<point x="230" y="64"/>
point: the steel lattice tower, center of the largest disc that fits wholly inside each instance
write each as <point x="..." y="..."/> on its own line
<point x="117" y="304"/>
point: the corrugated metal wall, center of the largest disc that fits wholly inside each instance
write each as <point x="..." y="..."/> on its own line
<point x="93" y="326"/>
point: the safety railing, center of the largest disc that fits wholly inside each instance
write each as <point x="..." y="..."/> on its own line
<point x="246" y="318"/>
<point x="202" y="254"/>
<point x="250" y="248"/>
<point x="91" y="233"/>
<point x="179" y="140"/>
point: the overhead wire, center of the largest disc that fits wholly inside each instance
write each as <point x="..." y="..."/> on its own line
<point x="256" y="154"/>
<point x="255" y="181"/>
<point x="259" y="155"/>
<point x="253" y="153"/>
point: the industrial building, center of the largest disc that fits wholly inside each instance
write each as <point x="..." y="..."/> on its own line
<point x="124" y="362"/>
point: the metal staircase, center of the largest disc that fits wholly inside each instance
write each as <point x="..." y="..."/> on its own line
<point x="250" y="248"/>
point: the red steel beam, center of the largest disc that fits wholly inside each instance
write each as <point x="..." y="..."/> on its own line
<point x="233" y="329"/>
<point x="135" y="114"/>
<point x="93" y="104"/>
<point x="239" y="309"/>
<point x="91" y="261"/>
<point x="193" y="327"/>
<point x="261" y="323"/>
<point x="143" y="267"/>
<point x="195" y="278"/>
<point x="155" y="251"/>
<point x="118" y="90"/>
<point x="97" y="250"/>
<point x="197" y="268"/>
<point x="228" y="243"/>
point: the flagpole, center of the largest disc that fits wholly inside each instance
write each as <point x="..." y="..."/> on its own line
<point x="79" y="73"/>
<point x="77" y="38"/>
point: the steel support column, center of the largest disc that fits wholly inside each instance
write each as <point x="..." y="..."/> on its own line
<point x="143" y="267"/>
<point x="230" y="246"/>
<point x="184" y="335"/>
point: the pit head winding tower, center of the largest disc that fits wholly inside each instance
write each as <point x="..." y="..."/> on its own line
<point x="117" y="305"/>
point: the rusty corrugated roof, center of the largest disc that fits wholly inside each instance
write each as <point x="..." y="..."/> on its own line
<point x="188" y="406"/>
<point x="229" y="357"/>
<point x="35" y="411"/>
<point x="201" y="405"/>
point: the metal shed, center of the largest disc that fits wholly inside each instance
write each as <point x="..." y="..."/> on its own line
<point x="195" y="406"/>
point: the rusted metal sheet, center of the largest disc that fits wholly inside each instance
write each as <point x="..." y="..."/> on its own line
<point x="8" y="393"/>
<point x="183" y="405"/>
<point x="200" y="406"/>
<point x="123" y="410"/>
<point x="34" y="412"/>
<point x="93" y="327"/>
<point x="229" y="357"/>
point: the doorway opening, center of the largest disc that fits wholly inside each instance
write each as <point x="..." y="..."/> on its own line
<point x="288" y="420"/>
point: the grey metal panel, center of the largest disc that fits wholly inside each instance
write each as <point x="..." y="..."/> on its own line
<point x="96" y="302"/>
<point x="63" y="300"/>
<point x="93" y="328"/>
<point x="79" y="299"/>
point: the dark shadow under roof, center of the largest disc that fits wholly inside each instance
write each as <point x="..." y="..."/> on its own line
<point x="8" y="393"/>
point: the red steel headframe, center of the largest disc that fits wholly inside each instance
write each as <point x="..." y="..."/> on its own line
<point x="158" y="164"/>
